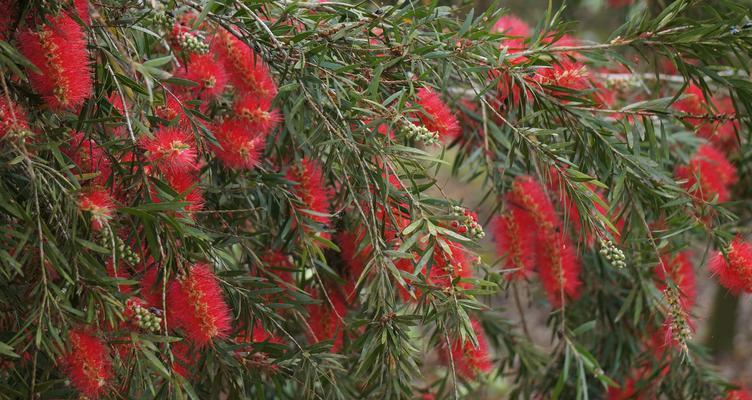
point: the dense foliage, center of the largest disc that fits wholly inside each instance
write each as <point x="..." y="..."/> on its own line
<point x="244" y="199"/>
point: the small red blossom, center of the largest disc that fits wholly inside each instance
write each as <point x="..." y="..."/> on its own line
<point x="436" y="116"/>
<point x="708" y="175"/>
<point x="559" y="269"/>
<point x="682" y="274"/>
<point x="257" y="113"/>
<point x="13" y="119"/>
<point x="82" y="10"/>
<point x="449" y="266"/>
<point x="721" y="130"/>
<point x="516" y="29"/>
<point x="240" y="148"/>
<point x="469" y="360"/>
<point x="196" y="305"/>
<point x="515" y="237"/>
<point x="567" y="74"/>
<point x="58" y="50"/>
<point x="151" y="287"/>
<point x="171" y="150"/>
<point x="325" y="319"/>
<point x="528" y="193"/>
<point x="186" y="355"/>
<point x="206" y="72"/>
<point x="312" y="191"/>
<point x="87" y="364"/>
<point x="186" y="185"/>
<point x="734" y="272"/>
<point x="99" y="203"/>
<point x="739" y="394"/>
<point x="246" y="71"/>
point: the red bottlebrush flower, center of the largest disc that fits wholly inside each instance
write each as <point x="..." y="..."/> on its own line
<point x="173" y="110"/>
<point x="436" y="116"/>
<point x="13" y="118"/>
<point x="58" y="50"/>
<point x="734" y="272"/>
<point x="186" y="185"/>
<point x="246" y="71"/>
<point x="681" y="273"/>
<point x="565" y="74"/>
<point x="88" y="157"/>
<point x="196" y="305"/>
<point x="530" y="195"/>
<point x="740" y="394"/>
<point x="241" y="147"/>
<point x="99" y="203"/>
<point x="171" y="151"/>
<point x="517" y="29"/>
<point x="515" y="237"/>
<point x="206" y="72"/>
<point x="448" y="267"/>
<point x="312" y="191"/>
<point x="257" y="113"/>
<point x="469" y="360"/>
<point x="559" y="269"/>
<point x="260" y="335"/>
<point x="693" y="102"/>
<point x="708" y="175"/>
<point x="82" y="10"/>
<point x="325" y="319"/>
<point x="87" y="364"/>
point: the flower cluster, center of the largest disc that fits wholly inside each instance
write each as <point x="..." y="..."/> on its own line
<point x="734" y="269"/>
<point x="196" y="305"/>
<point x="557" y="262"/>
<point x="709" y="176"/>
<point x="87" y="363"/>
<point x="468" y="359"/>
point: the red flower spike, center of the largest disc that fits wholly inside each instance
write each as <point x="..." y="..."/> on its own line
<point x="682" y="274"/>
<point x="436" y="116"/>
<point x="448" y="267"/>
<point x="206" y="72"/>
<point x="58" y="50"/>
<point x="469" y="361"/>
<point x="171" y="151"/>
<point x="740" y="394"/>
<point x="514" y="234"/>
<point x="99" y="203"/>
<point x="530" y="195"/>
<point x="87" y="364"/>
<point x="517" y="29"/>
<point x="711" y="173"/>
<point x="722" y="133"/>
<point x="312" y="191"/>
<point x="326" y="322"/>
<point x="566" y="74"/>
<point x="257" y="113"/>
<point x="88" y="157"/>
<point x="82" y="10"/>
<point x="734" y="273"/>
<point x="196" y="306"/>
<point x="241" y="148"/>
<point x="559" y="269"/>
<point x="246" y="71"/>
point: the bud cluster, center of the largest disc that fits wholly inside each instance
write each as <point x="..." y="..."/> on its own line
<point x="613" y="254"/>
<point x="193" y="43"/>
<point x="125" y="252"/>
<point x="468" y="224"/>
<point x="141" y="316"/>
<point x="163" y="19"/>
<point x="420" y="133"/>
<point x="681" y="332"/>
